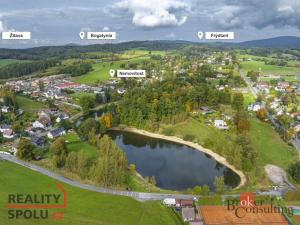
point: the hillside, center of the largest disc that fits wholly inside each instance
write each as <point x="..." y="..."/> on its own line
<point x="83" y="207"/>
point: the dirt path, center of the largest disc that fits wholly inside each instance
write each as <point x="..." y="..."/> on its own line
<point x="196" y="146"/>
<point x="277" y="175"/>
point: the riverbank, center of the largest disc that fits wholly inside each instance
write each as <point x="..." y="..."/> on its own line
<point x="196" y="146"/>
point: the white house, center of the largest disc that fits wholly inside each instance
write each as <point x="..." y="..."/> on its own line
<point x="220" y="124"/>
<point x="5" y="109"/>
<point x="38" y="124"/>
<point x="255" y="106"/>
<point x="9" y="134"/>
<point x="62" y="117"/>
<point x="5" y="127"/>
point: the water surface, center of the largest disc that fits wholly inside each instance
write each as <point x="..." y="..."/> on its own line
<point x="174" y="166"/>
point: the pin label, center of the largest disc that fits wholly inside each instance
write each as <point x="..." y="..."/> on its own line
<point x="200" y="35"/>
<point x="112" y="72"/>
<point x="82" y="35"/>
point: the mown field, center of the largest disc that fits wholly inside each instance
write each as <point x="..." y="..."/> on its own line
<point x="83" y="207"/>
<point x="29" y="105"/>
<point x="101" y="71"/>
<point x="269" y="69"/>
<point x="4" y="62"/>
<point x="271" y="149"/>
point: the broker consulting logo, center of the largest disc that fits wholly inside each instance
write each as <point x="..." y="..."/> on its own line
<point x="35" y="206"/>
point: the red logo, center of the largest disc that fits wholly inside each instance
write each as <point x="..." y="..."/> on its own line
<point x="247" y="199"/>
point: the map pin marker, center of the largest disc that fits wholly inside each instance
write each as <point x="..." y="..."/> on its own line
<point x="200" y="35"/>
<point x="112" y="72"/>
<point x="82" y="35"/>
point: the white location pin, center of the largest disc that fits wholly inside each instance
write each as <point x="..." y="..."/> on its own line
<point x="200" y="35"/>
<point x="112" y="72"/>
<point x="82" y="35"/>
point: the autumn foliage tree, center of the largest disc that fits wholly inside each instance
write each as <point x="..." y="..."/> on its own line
<point x="261" y="114"/>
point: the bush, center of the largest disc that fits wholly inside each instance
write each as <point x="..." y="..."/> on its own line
<point x="168" y="131"/>
<point x="294" y="171"/>
<point x="188" y="137"/>
<point x="292" y="196"/>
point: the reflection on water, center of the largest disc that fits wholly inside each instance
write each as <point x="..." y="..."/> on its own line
<point x="174" y="166"/>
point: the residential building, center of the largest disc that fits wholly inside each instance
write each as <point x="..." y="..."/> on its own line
<point x="55" y="133"/>
<point x="221" y="124"/>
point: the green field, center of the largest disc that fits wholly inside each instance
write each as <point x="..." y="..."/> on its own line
<point x="83" y="207"/>
<point x="269" y="69"/>
<point x="4" y="62"/>
<point x="101" y="71"/>
<point x="270" y="147"/>
<point x="75" y="144"/>
<point x="29" y="105"/>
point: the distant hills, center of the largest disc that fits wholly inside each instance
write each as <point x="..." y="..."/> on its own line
<point x="71" y="50"/>
<point x="283" y="41"/>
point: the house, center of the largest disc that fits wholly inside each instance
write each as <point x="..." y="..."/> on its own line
<point x="5" y="109"/>
<point x="255" y="106"/>
<point x="38" y="141"/>
<point x="43" y="122"/>
<point x="9" y="134"/>
<point x="282" y="86"/>
<point x="61" y="117"/>
<point x="4" y="127"/>
<point x="186" y="203"/>
<point x="221" y="124"/>
<point x="121" y="91"/>
<point x="188" y="214"/>
<point x="56" y="133"/>
<point x="206" y="110"/>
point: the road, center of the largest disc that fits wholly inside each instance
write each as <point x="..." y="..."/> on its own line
<point x="254" y="91"/>
<point x="140" y="196"/>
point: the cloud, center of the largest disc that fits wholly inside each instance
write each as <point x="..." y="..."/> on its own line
<point x="257" y="13"/>
<point x="154" y="13"/>
<point x="227" y="17"/>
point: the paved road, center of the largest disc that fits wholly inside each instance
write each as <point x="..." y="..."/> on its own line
<point x="140" y="196"/>
<point x="255" y="94"/>
<point x="254" y="91"/>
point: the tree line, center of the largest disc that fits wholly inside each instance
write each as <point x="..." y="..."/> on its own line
<point x="25" y="68"/>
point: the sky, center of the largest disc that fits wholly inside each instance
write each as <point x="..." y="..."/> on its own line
<point x="58" y="22"/>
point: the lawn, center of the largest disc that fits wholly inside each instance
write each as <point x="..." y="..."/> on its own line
<point x="77" y="145"/>
<point x="83" y="207"/>
<point x="270" y="147"/>
<point x="29" y="105"/>
<point x="100" y="71"/>
<point x="200" y="130"/>
<point x="269" y="69"/>
<point x="4" y="62"/>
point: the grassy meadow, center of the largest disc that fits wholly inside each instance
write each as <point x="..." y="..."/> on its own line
<point x="29" y="105"/>
<point x="83" y="207"/>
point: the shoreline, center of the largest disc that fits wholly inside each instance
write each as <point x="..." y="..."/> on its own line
<point x="194" y="145"/>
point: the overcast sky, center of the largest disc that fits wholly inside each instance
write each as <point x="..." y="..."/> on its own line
<point x="58" y="22"/>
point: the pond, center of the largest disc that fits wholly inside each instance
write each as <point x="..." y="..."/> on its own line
<point x="174" y="166"/>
